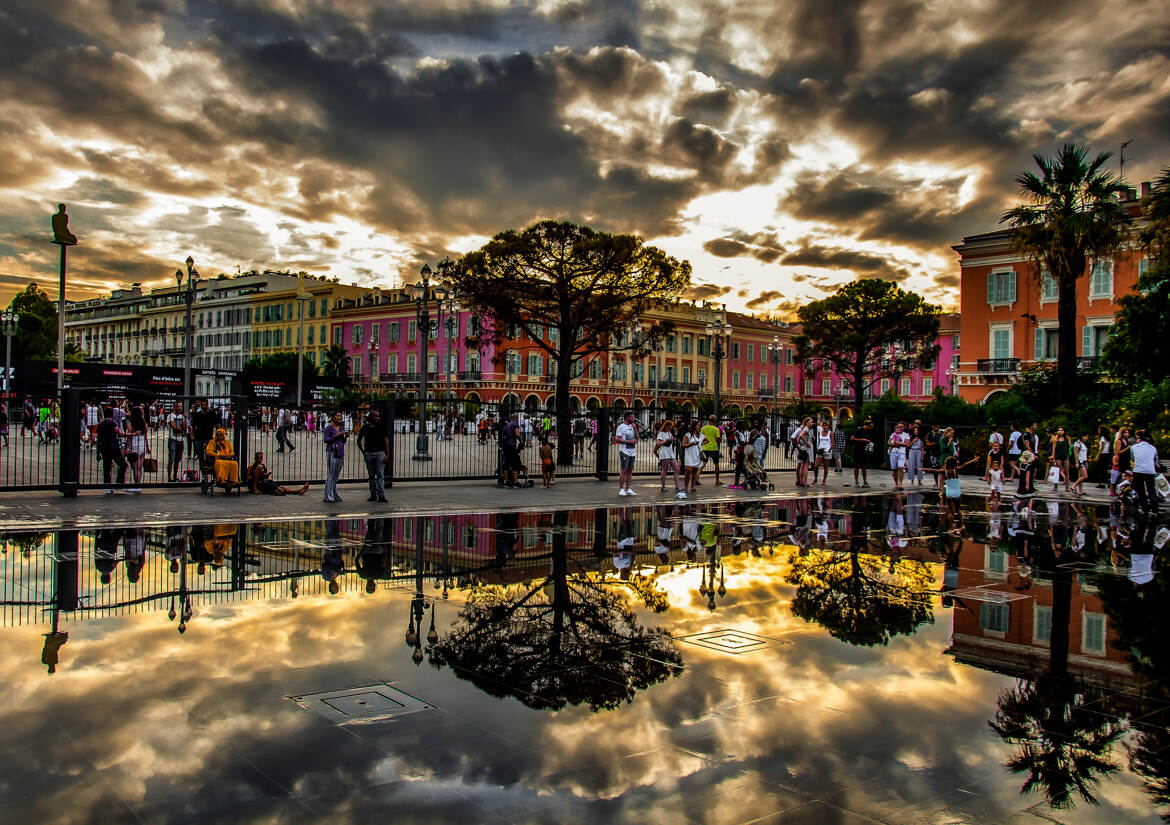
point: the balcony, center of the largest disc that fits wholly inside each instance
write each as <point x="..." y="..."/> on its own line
<point x="676" y="386"/>
<point x="998" y="366"/>
<point x="470" y="375"/>
<point x="406" y="377"/>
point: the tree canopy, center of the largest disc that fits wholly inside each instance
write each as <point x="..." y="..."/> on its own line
<point x="36" y="329"/>
<point x="1071" y="216"/>
<point x="335" y="364"/>
<point x="285" y="361"/>
<point x="853" y="331"/>
<point x="586" y="285"/>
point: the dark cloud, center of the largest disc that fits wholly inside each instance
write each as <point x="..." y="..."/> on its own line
<point x="763" y="246"/>
<point x="764" y="298"/>
<point x="861" y="264"/>
<point x="706" y="292"/>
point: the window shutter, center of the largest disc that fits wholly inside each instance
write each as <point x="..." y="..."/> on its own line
<point x="1086" y="341"/>
<point x="991" y="287"/>
<point x="1039" y="350"/>
<point x="1011" y="287"/>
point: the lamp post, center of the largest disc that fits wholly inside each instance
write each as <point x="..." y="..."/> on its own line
<point x="8" y="324"/>
<point x="372" y="346"/>
<point x="423" y="293"/>
<point x="451" y="327"/>
<point x="189" y="297"/>
<point x="718" y="332"/>
<point x="302" y="296"/>
<point x="635" y="351"/>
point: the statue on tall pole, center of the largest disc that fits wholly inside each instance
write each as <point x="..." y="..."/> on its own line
<point x="64" y="239"/>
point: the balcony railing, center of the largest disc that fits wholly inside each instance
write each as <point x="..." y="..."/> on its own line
<point x="998" y="366"/>
<point x="470" y="375"/>
<point x="676" y="386"/>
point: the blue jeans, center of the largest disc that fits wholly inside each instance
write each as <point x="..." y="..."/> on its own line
<point x="333" y="465"/>
<point x="375" y="467"/>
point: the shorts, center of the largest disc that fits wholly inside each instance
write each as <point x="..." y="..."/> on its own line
<point x="1114" y="477"/>
<point x="547" y="465"/>
<point x="897" y="460"/>
<point x="512" y="459"/>
<point x="174" y="451"/>
<point x="803" y="455"/>
<point x="626" y="462"/>
<point x="711" y="455"/>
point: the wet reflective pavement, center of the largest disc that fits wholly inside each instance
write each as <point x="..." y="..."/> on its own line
<point x="838" y="660"/>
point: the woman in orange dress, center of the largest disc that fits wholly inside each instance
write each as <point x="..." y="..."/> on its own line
<point x="227" y="469"/>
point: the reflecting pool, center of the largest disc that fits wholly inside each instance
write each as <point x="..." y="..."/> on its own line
<point x="835" y="660"/>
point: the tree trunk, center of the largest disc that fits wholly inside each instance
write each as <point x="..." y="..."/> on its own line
<point x="1066" y="360"/>
<point x="564" y="407"/>
<point x="858" y="383"/>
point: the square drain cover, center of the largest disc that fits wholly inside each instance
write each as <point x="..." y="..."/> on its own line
<point x="372" y="703"/>
<point x="729" y="641"/>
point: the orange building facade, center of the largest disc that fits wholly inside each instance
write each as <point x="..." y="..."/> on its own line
<point x="1008" y="319"/>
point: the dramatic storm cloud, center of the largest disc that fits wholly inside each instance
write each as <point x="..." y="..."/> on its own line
<point x="784" y="149"/>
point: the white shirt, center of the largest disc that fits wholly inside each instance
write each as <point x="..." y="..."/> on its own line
<point x="824" y="441"/>
<point x="691" y="452"/>
<point x="665" y="446"/>
<point x="626" y="431"/>
<point x="898" y="442"/>
<point x="1081" y="451"/>
<point x="995" y="438"/>
<point x="182" y="420"/>
<point x="1145" y="456"/>
<point x="91" y="415"/>
<point x="1013" y="443"/>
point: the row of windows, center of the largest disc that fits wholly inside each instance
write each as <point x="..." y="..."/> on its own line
<point x="1001" y="286"/>
<point x="288" y="337"/>
<point x="996" y="618"/>
<point x="360" y="333"/>
<point x="269" y="313"/>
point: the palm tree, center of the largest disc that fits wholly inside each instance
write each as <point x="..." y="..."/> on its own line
<point x="336" y="362"/>
<point x="1070" y="217"/>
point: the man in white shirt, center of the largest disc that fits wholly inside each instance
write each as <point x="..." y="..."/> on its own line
<point x="1013" y="451"/>
<point x="1145" y="463"/>
<point x="626" y="437"/>
<point x="899" y="442"/>
<point x="176" y="441"/>
<point x="93" y="417"/>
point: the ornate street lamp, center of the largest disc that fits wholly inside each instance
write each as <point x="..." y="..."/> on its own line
<point x="189" y="297"/>
<point x="718" y="332"/>
<point x="423" y="293"/>
<point x="9" y="321"/>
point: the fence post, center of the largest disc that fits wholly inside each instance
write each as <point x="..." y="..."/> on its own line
<point x="241" y="432"/>
<point x="603" y="444"/>
<point x="70" y="455"/>
<point x="388" y="424"/>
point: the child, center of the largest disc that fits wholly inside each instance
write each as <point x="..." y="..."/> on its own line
<point x="952" y="486"/>
<point x="547" y="466"/>
<point x="1114" y="475"/>
<point x="995" y="479"/>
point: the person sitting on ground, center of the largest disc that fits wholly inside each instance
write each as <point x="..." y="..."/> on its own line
<point x="259" y="480"/>
<point x="226" y="469"/>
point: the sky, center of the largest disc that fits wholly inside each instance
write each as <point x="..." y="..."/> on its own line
<point x="783" y="148"/>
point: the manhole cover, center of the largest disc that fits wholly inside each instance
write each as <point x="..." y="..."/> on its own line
<point x="372" y="703"/>
<point x="729" y="641"/>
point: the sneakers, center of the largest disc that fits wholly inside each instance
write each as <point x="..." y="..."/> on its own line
<point x="680" y="495"/>
<point x="630" y="492"/>
<point x="621" y="492"/>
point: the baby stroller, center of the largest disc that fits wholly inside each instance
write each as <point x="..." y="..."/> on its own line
<point x="522" y="479"/>
<point x="754" y="476"/>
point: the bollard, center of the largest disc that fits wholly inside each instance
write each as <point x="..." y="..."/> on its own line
<point x="603" y="445"/>
<point x="70" y="455"/>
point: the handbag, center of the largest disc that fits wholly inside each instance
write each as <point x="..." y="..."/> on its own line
<point x="1054" y="474"/>
<point x="150" y="465"/>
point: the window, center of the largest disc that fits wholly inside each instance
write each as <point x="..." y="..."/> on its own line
<point x="276" y="337"/>
<point x="884" y="386"/>
<point x="671" y="343"/>
<point x="393" y="330"/>
<point x="255" y="339"/>
<point x="703" y="347"/>
<point x="595" y="369"/>
<point x="750" y="378"/>
<point x="1048" y="289"/>
<point x="375" y="331"/>
<point x="1093" y="633"/>
<point x="321" y="338"/>
<point x="357" y="367"/>
<point x="312" y="309"/>
<point x="788" y="383"/>
<point x="1093" y="339"/>
<point x="1001" y="341"/>
<point x="751" y="352"/>
<point x="735" y="380"/>
<point x="433" y="333"/>
<point x="392" y="362"/>
<point x="993" y="617"/>
<point x="336" y="335"/>
<point x="535" y="365"/>
<point x="1001" y="287"/>
<point x="686" y="375"/>
<point x="808" y="386"/>
<point x="1046" y="342"/>
<point x="1042" y="623"/>
<point x="552" y="331"/>
<point x="995" y="561"/>
<point x="735" y="349"/>
<point x="324" y="307"/>
<point x="411" y="330"/>
<point x="788" y="357"/>
<point x="356" y="334"/>
<point x="905" y="387"/>
<point x="763" y="380"/>
<point x="1101" y="281"/>
<point x="927" y="386"/>
<point x="825" y="386"/>
<point x="412" y="365"/>
<point x="512" y="362"/>
<point x="688" y="345"/>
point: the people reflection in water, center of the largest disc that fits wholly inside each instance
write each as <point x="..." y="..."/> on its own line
<point x="664" y="532"/>
<point x="374" y="561"/>
<point x="176" y="546"/>
<point x="134" y="544"/>
<point x="51" y="652"/>
<point x="623" y="557"/>
<point x="507" y="530"/>
<point x="690" y="532"/>
<point x="105" y="555"/>
<point x="333" y="568"/>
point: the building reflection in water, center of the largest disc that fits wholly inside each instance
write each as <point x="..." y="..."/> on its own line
<point x="575" y="607"/>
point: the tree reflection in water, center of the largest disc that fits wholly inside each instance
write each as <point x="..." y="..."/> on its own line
<point x="562" y="640"/>
<point x="1063" y="747"/>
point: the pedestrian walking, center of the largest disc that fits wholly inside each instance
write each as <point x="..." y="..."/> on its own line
<point x="664" y="449"/>
<point x="375" y="448"/>
<point x="1080" y="464"/>
<point x="1104" y="459"/>
<point x="1145" y="467"/>
<point x="283" y="428"/>
<point x="334" y="438"/>
<point x="839" y="448"/>
<point x="626" y="437"/>
<point x="109" y="446"/>
<point x="1014" y="448"/>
